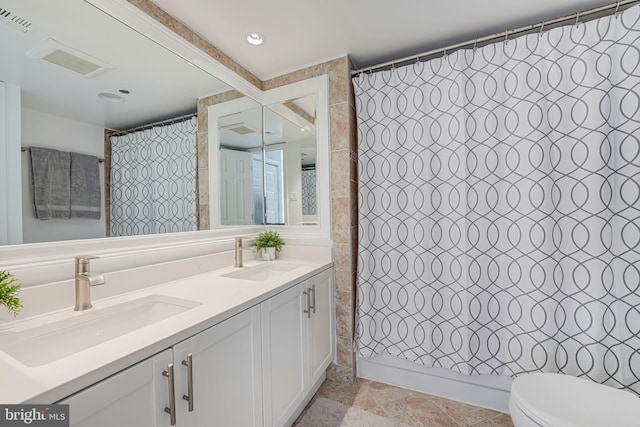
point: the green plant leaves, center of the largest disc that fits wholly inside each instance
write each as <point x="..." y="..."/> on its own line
<point x="268" y="239"/>
<point x="9" y="288"/>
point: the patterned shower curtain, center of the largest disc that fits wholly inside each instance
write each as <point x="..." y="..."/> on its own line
<point x="500" y="206"/>
<point x="154" y="180"/>
<point x="309" y="198"/>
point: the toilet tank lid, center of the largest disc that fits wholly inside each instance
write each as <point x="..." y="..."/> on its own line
<point x="567" y="401"/>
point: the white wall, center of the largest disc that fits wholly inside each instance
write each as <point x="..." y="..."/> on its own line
<point x="10" y="195"/>
<point x="46" y="130"/>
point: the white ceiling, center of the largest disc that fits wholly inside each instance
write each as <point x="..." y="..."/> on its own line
<point x="300" y="33"/>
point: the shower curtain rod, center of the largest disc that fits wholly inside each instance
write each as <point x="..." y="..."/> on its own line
<point x="610" y="8"/>
<point x="159" y="123"/>
<point x="23" y="149"/>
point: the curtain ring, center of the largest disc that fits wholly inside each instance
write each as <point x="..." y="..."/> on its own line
<point x="617" y="8"/>
<point x="577" y="18"/>
<point x="475" y="45"/>
<point x="444" y="49"/>
<point x="417" y="66"/>
<point x="506" y="37"/>
<point x="541" y="27"/>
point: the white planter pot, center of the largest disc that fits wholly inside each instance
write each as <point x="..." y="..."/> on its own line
<point x="269" y="254"/>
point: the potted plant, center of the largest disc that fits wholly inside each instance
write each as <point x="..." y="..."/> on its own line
<point x="9" y="288"/>
<point x="268" y="243"/>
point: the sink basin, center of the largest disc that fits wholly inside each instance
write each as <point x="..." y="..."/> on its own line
<point x="50" y="341"/>
<point x="263" y="272"/>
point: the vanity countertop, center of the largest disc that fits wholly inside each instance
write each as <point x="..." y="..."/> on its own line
<point x="220" y="298"/>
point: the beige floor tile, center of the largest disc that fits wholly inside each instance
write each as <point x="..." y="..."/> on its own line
<point x="418" y="410"/>
<point x="463" y="414"/>
<point x="384" y="393"/>
<point x="329" y="413"/>
<point x="393" y="406"/>
<point x="502" y="420"/>
<point x="348" y="394"/>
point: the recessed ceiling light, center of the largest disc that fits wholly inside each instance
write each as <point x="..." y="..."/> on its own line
<point x="255" y="39"/>
<point x="110" y="97"/>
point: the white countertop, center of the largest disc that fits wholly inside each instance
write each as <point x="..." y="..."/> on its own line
<point x="220" y="298"/>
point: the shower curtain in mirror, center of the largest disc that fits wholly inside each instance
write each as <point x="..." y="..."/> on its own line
<point x="499" y="206"/>
<point x="154" y="180"/>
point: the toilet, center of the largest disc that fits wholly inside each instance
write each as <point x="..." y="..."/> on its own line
<point x="556" y="400"/>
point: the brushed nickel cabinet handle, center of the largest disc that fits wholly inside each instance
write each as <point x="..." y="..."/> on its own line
<point x="308" y="310"/>
<point x="171" y="410"/>
<point x="313" y="298"/>
<point x="189" y="364"/>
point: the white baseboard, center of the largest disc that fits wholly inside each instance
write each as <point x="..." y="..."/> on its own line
<point x="487" y="391"/>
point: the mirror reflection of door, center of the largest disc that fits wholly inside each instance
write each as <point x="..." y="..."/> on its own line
<point x="241" y="172"/>
<point x="236" y="187"/>
<point x="274" y="186"/>
<point x="290" y="159"/>
<point x="258" y="198"/>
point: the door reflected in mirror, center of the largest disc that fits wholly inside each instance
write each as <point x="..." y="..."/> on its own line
<point x="290" y="162"/>
<point x="267" y="162"/>
<point x="240" y="139"/>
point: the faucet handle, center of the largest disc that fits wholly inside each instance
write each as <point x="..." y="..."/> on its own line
<point x="82" y="263"/>
<point x="85" y="258"/>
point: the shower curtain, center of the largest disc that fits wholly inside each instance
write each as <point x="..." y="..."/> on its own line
<point x="154" y="180"/>
<point x="499" y="206"/>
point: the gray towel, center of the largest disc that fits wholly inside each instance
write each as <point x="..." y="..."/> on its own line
<point x="85" y="186"/>
<point x="51" y="169"/>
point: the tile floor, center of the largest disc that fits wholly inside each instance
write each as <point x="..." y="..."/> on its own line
<point x="369" y="403"/>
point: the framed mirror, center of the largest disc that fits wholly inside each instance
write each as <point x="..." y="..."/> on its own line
<point x="266" y="162"/>
<point x="282" y="178"/>
<point x="16" y="93"/>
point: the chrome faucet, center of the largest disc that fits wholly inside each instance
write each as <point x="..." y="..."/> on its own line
<point x="238" y="249"/>
<point x="84" y="280"/>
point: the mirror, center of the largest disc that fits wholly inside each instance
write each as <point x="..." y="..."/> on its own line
<point x="241" y="166"/>
<point x="60" y="108"/>
<point x="290" y="152"/>
<point x="266" y="162"/>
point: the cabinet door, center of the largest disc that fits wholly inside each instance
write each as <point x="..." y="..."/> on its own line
<point x="135" y="397"/>
<point x="226" y="369"/>
<point x="321" y="341"/>
<point x="284" y="335"/>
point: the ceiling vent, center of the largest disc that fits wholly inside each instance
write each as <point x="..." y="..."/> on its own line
<point x="16" y="22"/>
<point x="240" y="128"/>
<point x="67" y="57"/>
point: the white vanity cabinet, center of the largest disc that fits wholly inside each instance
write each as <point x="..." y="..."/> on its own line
<point x="320" y="339"/>
<point x="136" y="396"/>
<point x="297" y="345"/>
<point x="257" y="368"/>
<point x="225" y="377"/>
<point x="284" y="336"/>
